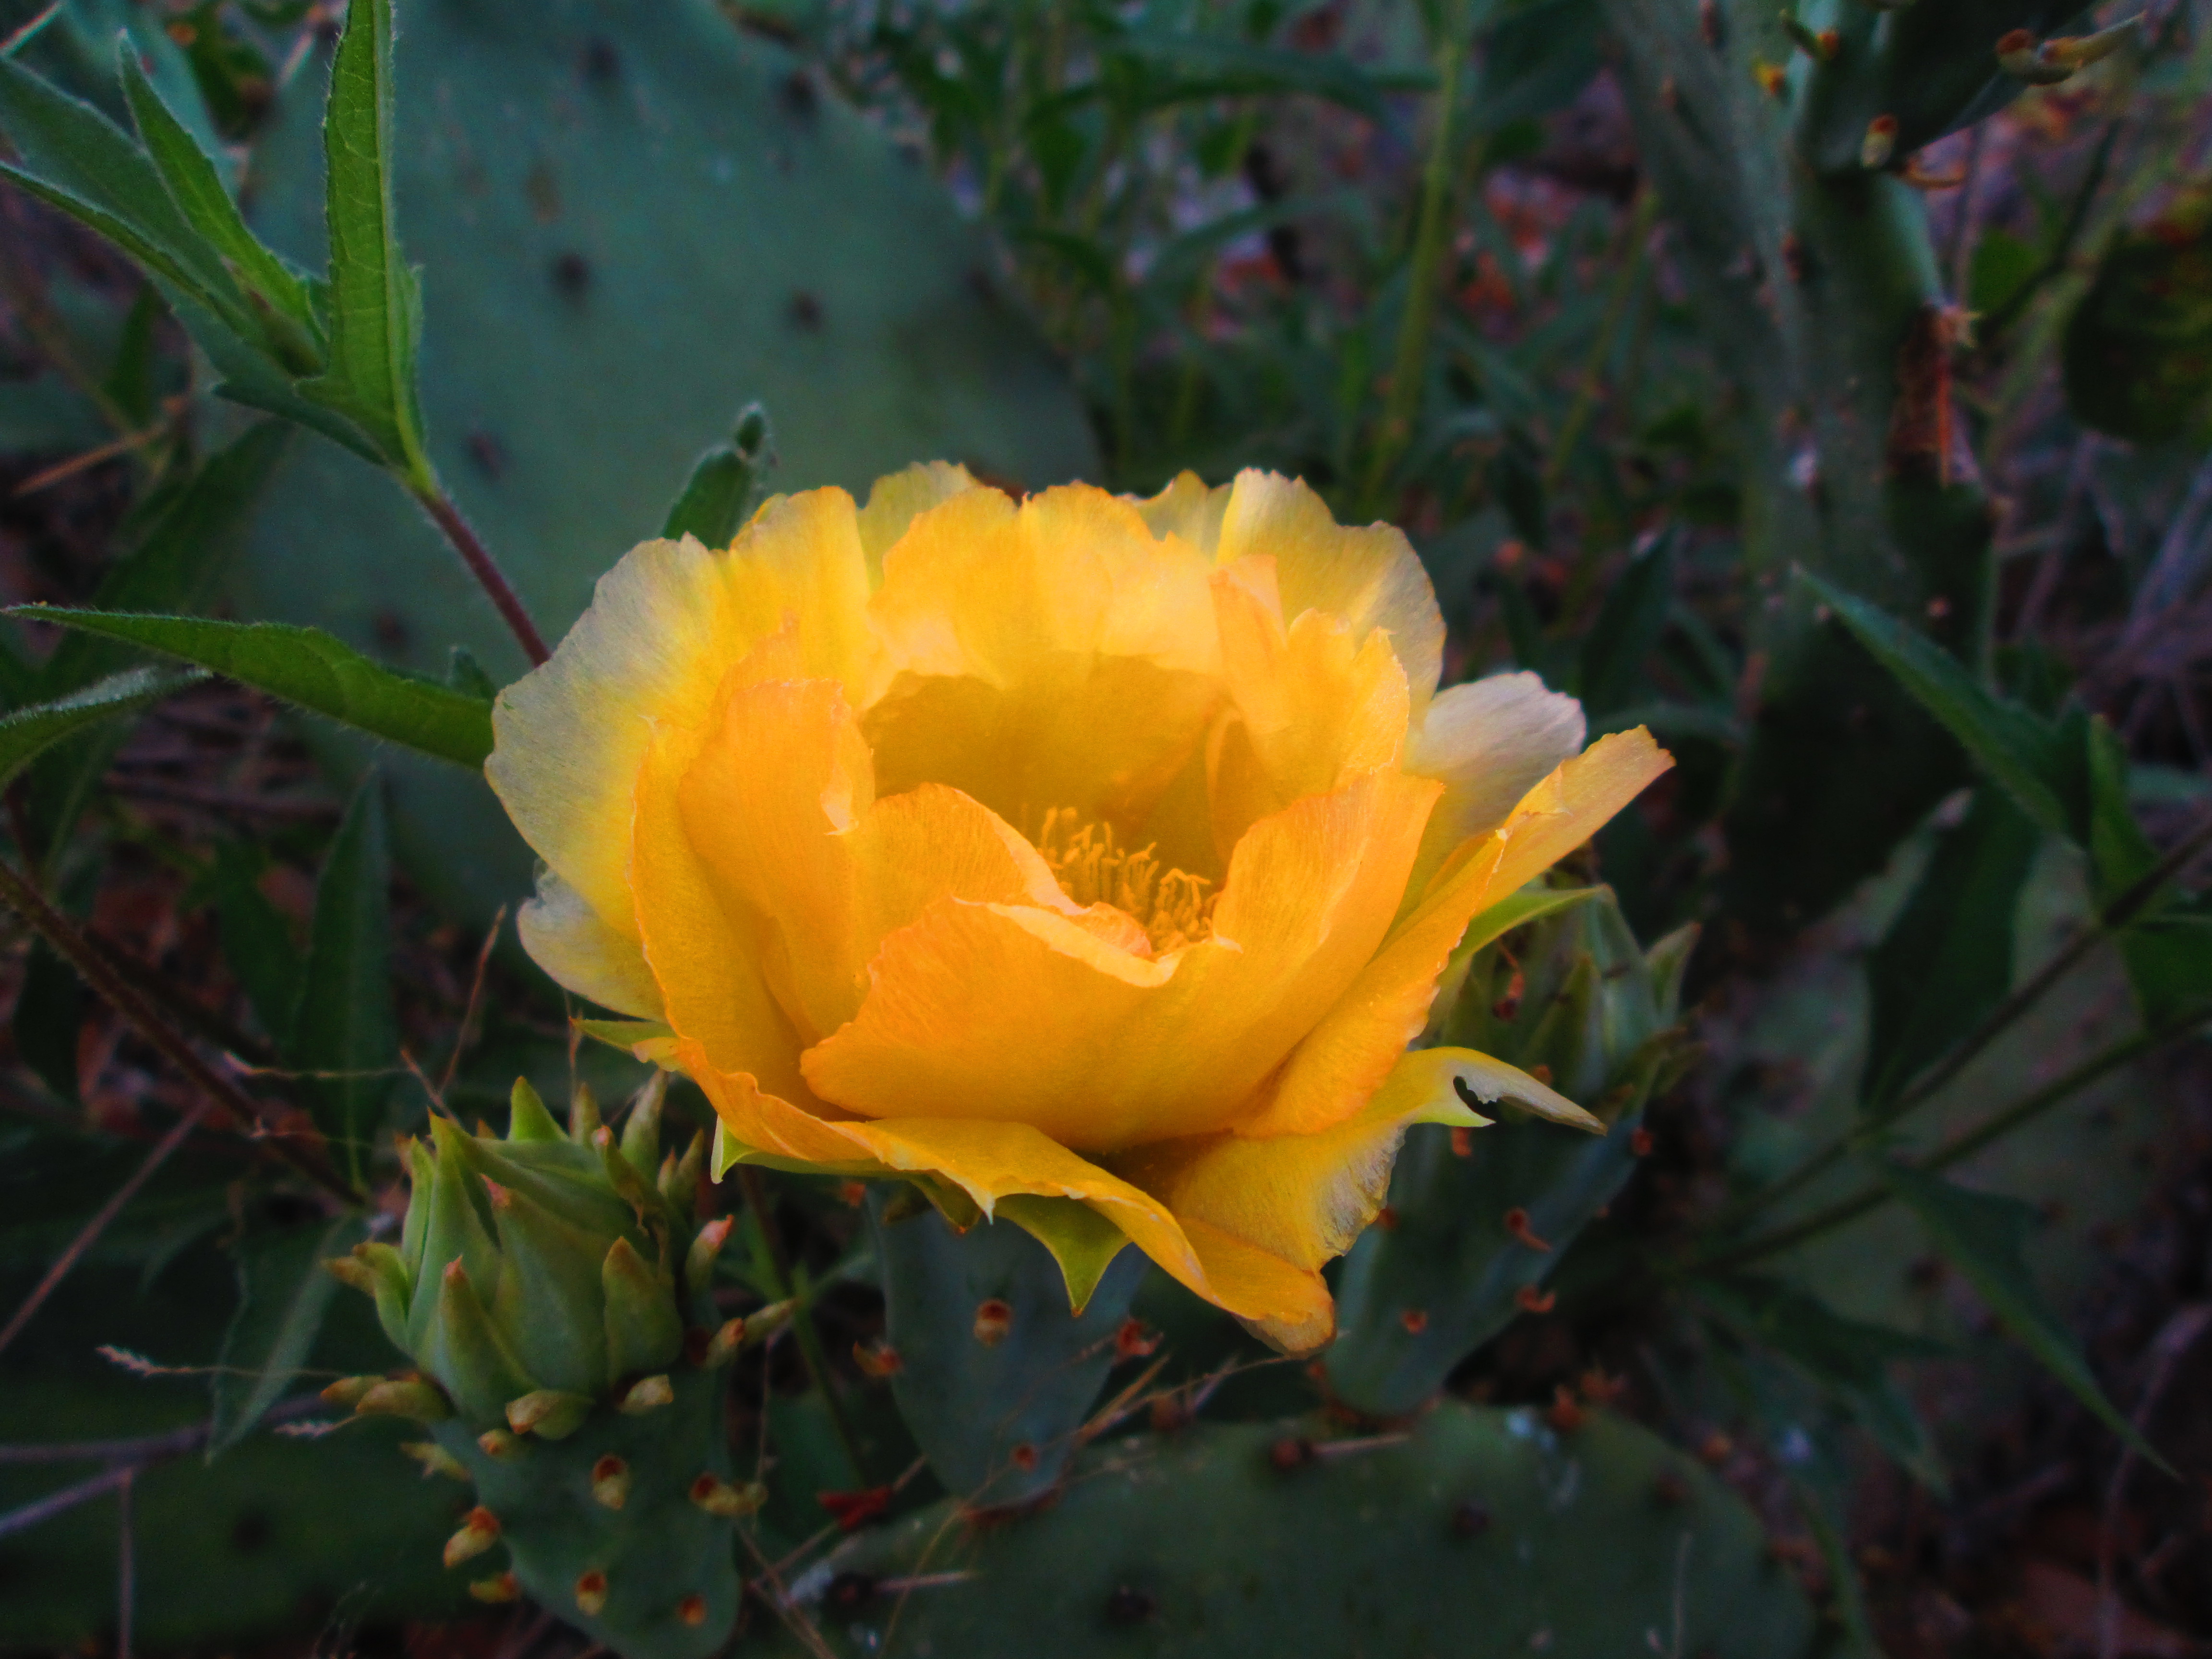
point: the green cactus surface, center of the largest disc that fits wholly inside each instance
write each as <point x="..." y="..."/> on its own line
<point x="551" y="1288"/>
<point x="1479" y="1533"/>
<point x="994" y="1374"/>
<point x="1477" y="1222"/>
<point x="632" y="222"/>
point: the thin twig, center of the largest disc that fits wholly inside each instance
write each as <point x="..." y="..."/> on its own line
<point x="489" y="577"/>
<point x="27" y="32"/>
<point x="126" y="1565"/>
<point x="235" y="1110"/>
<point x="2175" y="1340"/>
<point x="462" y="1038"/>
<point x="89" y="1233"/>
<point x="61" y="471"/>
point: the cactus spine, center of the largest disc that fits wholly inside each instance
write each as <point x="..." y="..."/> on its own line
<point x="552" y="1290"/>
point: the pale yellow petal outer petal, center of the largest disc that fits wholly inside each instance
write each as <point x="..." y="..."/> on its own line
<point x="1365" y="577"/>
<point x="895" y="500"/>
<point x="1490" y="741"/>
<point x="664" y="626"/>
<point x="566" y="937"/>
<point x="1345" y="1058"/>
<point x="1016" y="1013"/>
<point x="1188" y="509"/>
<point x="1303" y="1198"/>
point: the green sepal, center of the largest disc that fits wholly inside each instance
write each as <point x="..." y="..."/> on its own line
<point x="640" y="1136"/>
<point x="466" y="1353"/>
<point x="559" y="1178"/>
<point x="627" y="1035"/>
<point x="679" y="1177"/>
<point x="454" y="1228"/>
<point x="527" y="1120"/>
<point x="549" y="1413"/>
<point x="547" y="1304"/>
<point x="1083" y="1241"/>
<point x="644" y="1331"/>
<point x="421" y="1174"/>
<point x="392" y="1286"/>
<point x="622" y="1176"/>
<point x="1570" y="1037"/>
<point x="583" y="1114"/>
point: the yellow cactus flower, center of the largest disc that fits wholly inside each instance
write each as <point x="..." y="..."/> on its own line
<point x="1077" y="851"/>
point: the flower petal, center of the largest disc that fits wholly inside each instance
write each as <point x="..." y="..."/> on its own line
<point x="1348" y="1053"/>
<point x="895" y="500"/>
<point x="663" y="627"/>
<point x="1366" y="578"/>
<point x="1303" y="1198"/>
<point x="1490" y="741"/>
<point x="1016" y="1013"/>
<point x="566" y="937"/>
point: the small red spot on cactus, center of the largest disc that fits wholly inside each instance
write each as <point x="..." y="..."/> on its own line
<point x="1291" y="1452"/>
<point x="1938" y="608"/>
<point x="1709" y="22"/>
<point x="1881" y="140"/>
<point x="1386" y="1218"/>
<point x="1715" y="1450"/>
<point x="1509" y="1006"/>
<point x="1516" y="1225"/>
<point x="479" y="1531"/>
<point x="877" y="1360"/>
<point x="854" y="1510"/>
<point x="1530" y="1299"/>
<point x="1773" y="80"/>
<point x="850" y="1591"/>
<point x="1133" y="1342"/>
<point x="1024" y="1456"/>
<point x="1793" y="256"/>
<point x="1462" y="1141"/>
<point x="1541" y="1072"/>
<point x="852" y="1193"/>
<point x="692" y="1611"/>
<point x="610" y="1482"/>
<point x="1598" y="1388"/>
<point x="2013" y="40"/>
<point x="1639" y="1143"/>
<point x="1567" y="1413"/>
<point x="500" y="1198"/>
<point x="591" y="1593"/>
<point x="1830" y="42"/>
<point x="1415" y="1320"/>
<point x="500" y="1587"/>
<point x="994" y="1317"/>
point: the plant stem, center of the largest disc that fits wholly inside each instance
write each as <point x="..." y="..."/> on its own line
<point x="238" y="1111"/>
<point x="1616" y="311"/>
<point x="1990" y="1130"/>
<point x="485" y="569"/>
<point x="2122" y="910"/>
<point x="1430" y="243"/>
<point x="802" y="1321"/>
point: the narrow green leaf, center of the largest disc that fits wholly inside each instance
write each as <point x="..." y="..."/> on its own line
<point x="256" y="943"/>
<point x="1984" y="1237"/>
<point x="1627" y="628"/>
<point x="317" y="670"/>
<point x="346" y="1030"/>
<point x="724" y="485"/>
<point x="198" y="193"/>
<point x="2167" y="948"/>
<point x="2019" y="752"/>
<point x="28" y="732"/>
<point x="283" y="1295"/>
<point x="1947" y="958"/>
<point x="375" y="306"/>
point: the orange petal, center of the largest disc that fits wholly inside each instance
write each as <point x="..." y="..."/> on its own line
<point x="1021" y="1015"/>
<point x="1343" y="1061"/>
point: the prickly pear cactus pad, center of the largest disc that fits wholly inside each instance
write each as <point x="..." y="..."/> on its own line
<point x="1477" y="1535"/>
<point x="632" y="221"/>
<point x="551" y="1288"/>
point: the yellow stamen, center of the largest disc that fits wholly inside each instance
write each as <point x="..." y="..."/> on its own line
<point x="1173" y="907"/>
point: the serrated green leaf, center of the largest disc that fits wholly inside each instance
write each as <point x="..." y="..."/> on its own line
<point x="2016" y="750"/>
<point x="29" y="732"/>
<point x="283" y="1295"/>
<point x="1984" y="1237"/>
<point x="198" y="190"/>
<point x="1947" y="958"/>
<point x="374" y="305"/>
<point x="316" y="671"/>
<point x="346" y="1029"/>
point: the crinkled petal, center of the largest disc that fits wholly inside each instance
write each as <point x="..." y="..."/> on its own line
<point x="1489" y="742"/>
<point x="898" y="498"/>
<point x="566" y="937"/>
<point x="1348" y="1053"/>
<point x="1187" y="508"/>
<point x="1303" y="1198"/>
<point x="1366" y="577"/>
<point x="664" y="626"/>
<point x="1014" y="1013"/>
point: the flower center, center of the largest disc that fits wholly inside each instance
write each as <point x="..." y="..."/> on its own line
<point x="1173" y="907"/>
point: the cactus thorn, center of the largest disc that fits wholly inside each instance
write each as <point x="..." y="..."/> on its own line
<point x="498" y="1587"/>
<point x="692" y="1610"/>
<point x="646" y="1393"/>
<point x="1386" y="1218"/>
<point x="1133" y="1342"/>
<point x="718" y="1496"/>
<point x="499" y="1443"/>
<point x="412" y="1397"/>
<point x="610" y="1482"/>
<point x="2048" y="63"/>
<point x="1881" y="139"/>
<point x="1516" y="1225"/>
<point x="877" y="1360"/>
<point x="547" y="1412"/>
<point x="479" y="1531"/>
<point x="994" y="1317"/>
<point x="1024" y="1456"/>
<point x="434" y="1459"/>
<point x="591" y="1593"/>
<point x="1530" y="1299"/>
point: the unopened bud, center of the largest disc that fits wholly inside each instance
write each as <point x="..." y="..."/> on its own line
<point x="648" y="1394"/>
<point x="591" y="1593"/>
<point x="500" y="1586"/>
<point x="479" y="1532"/>
<point x="405" y="1397"/>
<point x="722" y="1346"/>
<point x="718" y="1496"/>
<point x="436" y="1459"/>
<point x="699" y="1264"/>
<point x="548" y="1413"/>
<point x="610" y="1482"/>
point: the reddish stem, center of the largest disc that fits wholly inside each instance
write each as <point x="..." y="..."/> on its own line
<point x="485" y="569"/>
